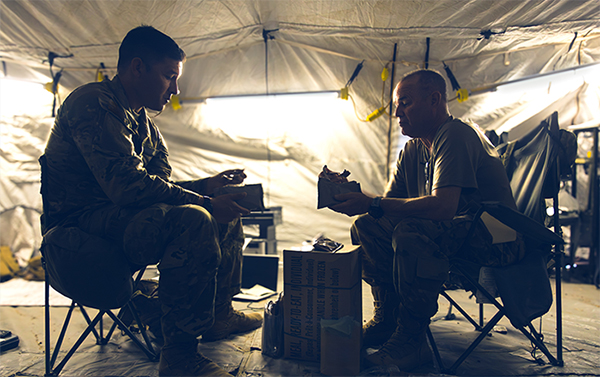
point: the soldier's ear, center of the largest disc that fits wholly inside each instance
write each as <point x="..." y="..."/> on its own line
<point x="436" y="98"/>
<point x="137" y="67"/>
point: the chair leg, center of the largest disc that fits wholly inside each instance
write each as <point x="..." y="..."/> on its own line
<point x="436" y="351"/>
<point x="461" y="310"/>
<point x="558" y="284"/>
<point x="537" y="340"/>
<point x="134" y="311"/>
<point x="481" y="315"/>
<point x="558" y="258"/>
<point x="148" y="349"/>
<point x="449" y="315"/>
<point x="100" y="340"/>
<point x="52" y="355"/>
<point x="75" y="346"/>
<point x="46" y="319"/>
<point x="484" y="332"/>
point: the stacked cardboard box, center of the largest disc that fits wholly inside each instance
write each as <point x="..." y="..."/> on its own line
<point x="318" y="285"/>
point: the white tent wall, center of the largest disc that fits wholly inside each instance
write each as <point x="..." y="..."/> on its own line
<point x="315" y="46"/>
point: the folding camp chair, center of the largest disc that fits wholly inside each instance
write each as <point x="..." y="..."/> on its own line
<point x="533" y="166"/>
<point x="93" y="273"/>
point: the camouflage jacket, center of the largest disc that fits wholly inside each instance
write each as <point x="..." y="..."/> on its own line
<point x="101" y="152"/>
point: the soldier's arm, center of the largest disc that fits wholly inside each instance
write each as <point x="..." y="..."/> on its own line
<point x="158" y="158"/>
<point x="441" y="205"/>
<point x="396" y="187"/>
<point x="101" y="134"/>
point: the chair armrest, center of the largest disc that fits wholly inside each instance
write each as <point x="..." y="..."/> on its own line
<point x="521" y="223"/>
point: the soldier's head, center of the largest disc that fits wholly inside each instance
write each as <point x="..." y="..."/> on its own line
<point x="150" y="63"/>
<point x="421" y="103"/>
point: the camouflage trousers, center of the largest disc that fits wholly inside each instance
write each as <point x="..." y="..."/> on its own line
<point x="199" y="260"/>
<point x="412" y="257"/>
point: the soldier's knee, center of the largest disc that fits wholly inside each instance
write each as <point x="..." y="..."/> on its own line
<point x="362" y="227"/>
<point x="363" y="222"/>
<point x="196" y="230"/>
<point x="404" y="233"/>
<point x="189" y="212"/>
<point x="143" y="238"/>
<point x="414" y="233"/>
<point x="427" y="270"/>
<point x="193" y="218"/>
<point x="411" y="225"/>
<point x="416" y="253"/>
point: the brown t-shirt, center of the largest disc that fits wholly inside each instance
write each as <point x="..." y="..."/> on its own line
<point x="461" y="156"/>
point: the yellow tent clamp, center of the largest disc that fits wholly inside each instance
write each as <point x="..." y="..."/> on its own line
<point x="344" y="93"/>
<point x="34" y="270"/>
<point x="9" y="266"/>
<point x="462" y="95"/>
<point x="175" y="103"/>
<point x="385" y="74"/>
<point x="376" y="114"/>
<point x="49" y="87"/>
<point x="100" y="76"/>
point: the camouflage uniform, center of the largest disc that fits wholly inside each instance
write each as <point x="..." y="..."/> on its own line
<point x="108" y="173"/>
<point x="411" y="256"/>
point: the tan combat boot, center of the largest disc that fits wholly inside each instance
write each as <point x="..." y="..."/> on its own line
<point x="403" y="350"/>
<point x="383" y="324"/>
<point x="230" y="321"/>
<point x="183" y="359"/>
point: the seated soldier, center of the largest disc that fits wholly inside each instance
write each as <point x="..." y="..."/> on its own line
<point x="109" y="174"/>
<point x="410" y="233"/>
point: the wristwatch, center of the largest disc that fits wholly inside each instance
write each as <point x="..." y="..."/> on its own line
<point x="375" y="208"/>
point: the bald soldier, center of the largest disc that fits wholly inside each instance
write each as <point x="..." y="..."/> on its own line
<point x="408" y="235"/>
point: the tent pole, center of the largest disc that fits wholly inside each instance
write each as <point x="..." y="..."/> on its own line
<point x="391" y="119"/>
<point x="268" y="186"/>
<point x="266" y="37"/>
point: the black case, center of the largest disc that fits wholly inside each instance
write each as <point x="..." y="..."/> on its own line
<point x="8" y="340"/>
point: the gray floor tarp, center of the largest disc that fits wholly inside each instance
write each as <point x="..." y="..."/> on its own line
<point x="502" y="354"/>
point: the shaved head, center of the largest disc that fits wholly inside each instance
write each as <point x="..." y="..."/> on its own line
<point x="428" y="81"/>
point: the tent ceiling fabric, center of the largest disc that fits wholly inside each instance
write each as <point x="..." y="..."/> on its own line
<point x="232" y="32"/>
<point x="315" y="46"/>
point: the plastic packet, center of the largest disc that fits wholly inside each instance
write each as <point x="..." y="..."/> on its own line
<point x="272" y="332"/>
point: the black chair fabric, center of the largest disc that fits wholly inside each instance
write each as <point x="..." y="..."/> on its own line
<point x="88" y="269"/>
<point x="533" y="164"/>
<point x="524" y="288"/>
<point x="91" y="271"/>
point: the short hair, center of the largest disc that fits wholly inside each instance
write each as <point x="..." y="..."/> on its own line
<point x="148" y="44"/>
<point x="429" y="81"/>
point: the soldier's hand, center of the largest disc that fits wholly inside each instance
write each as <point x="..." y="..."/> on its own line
<point x="227" y="177"/>
<point x="352" y="203"/>
<point x="226" y="209"/>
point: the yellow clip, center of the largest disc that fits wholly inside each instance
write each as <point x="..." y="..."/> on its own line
<point x="48" y="86"/>
<point x="344" y="93"/>
<point x="385" y="74"/>
<point x="376" y="114"/>
<point x="462" y="95"/>
<point x="175" y="104"/>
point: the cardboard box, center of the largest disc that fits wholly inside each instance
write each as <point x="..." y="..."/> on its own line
<point x="318" y="285"/>
<point x="340" y="347"/>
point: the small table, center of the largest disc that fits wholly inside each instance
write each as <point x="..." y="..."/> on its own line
<point x="266" y="220"/>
